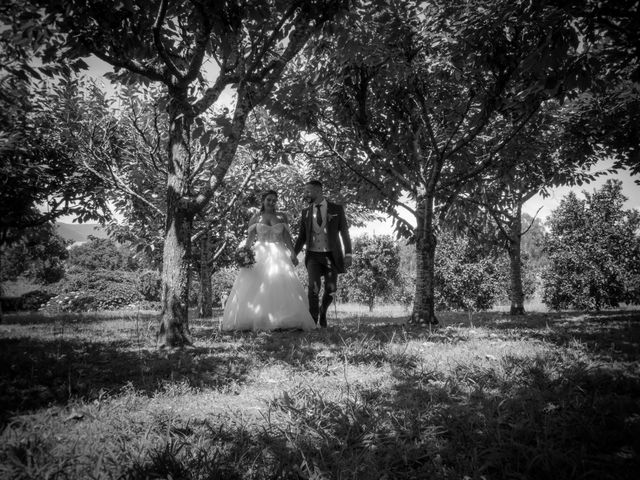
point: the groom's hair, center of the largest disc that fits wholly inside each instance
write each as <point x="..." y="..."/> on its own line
<point x="315" y="183"/>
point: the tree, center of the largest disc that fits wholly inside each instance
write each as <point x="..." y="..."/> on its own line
<point x="407" y="98"/>
<point x="101" y="254"/>
<point x="594" y="251"/>
<point x="168" y="43"/>
<point x="41" y="181"/>
<point x="532" y="242"/>
<point x="541" y="155"/>
<point x="38" y="255"/>
<point x="466" y="274"/>
<point x="375" y="270"/>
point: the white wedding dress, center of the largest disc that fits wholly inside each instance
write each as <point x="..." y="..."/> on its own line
<point x="268" y="295"/>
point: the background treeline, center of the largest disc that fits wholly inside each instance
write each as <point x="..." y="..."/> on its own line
<point x="586" y="256"/>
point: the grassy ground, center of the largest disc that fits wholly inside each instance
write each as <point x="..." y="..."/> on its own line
<point x="495" y="397"/>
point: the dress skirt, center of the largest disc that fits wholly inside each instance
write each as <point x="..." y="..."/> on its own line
<point x="267" y="295"/>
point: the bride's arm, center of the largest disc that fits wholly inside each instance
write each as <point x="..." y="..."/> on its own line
<point x="286" y="235"/>
<point x="251" y="233"/>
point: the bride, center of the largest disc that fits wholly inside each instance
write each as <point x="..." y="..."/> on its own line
<point x="268" y="295"/>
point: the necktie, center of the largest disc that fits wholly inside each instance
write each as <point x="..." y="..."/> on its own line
<point x="319" y="215"/>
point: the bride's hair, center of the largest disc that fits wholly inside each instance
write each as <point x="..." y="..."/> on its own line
<point x="264" y="197"/>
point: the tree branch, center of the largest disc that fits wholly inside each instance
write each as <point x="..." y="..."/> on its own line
<point x="128" y="64"/>
<point x="371" y="182"/>
<point x="201" y="46"/>
<point x="162" y="11"/>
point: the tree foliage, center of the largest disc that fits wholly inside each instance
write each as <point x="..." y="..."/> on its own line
<point x="609" y="112"/>
<point x="41" y="176"/>
<point x="39" y="255"/>
<point x="467" y="277"/>
<point x="170" y="43"/>
<point x="594" y="252"/>
<point x="375" y="271"/>
<point x="416" y="99"/>
<point x="101" y="254"/>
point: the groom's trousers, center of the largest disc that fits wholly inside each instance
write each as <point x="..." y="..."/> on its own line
<point x="319" y="265"/>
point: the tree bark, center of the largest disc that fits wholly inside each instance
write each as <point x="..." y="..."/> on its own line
<point x="516" y="294"/>
<point x="424" y="303"/>
<point x="205" y="307"/>
<point x="174" y="321"/>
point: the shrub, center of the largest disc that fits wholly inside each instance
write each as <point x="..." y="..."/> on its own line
<point x="221" y="283"/>
<point x="34" y="300"/>
<point x="530" y="278"/>
<point x="375" y="271"/>
<point x="465" y="277"/>
<point x="102" y="254"/>
<point x="100" y="289"/>
<point x="10" y="304"/>
<point x="148" y="284"/>
<point x="70" y="302"/>
<point x="38" y="255"/>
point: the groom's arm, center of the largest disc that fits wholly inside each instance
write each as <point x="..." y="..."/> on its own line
<point x="343" y="229"/>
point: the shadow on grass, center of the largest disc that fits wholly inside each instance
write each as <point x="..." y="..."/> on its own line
<point x="528" y="418"/>
<point x="39" y="372"/>
<point x="71" y="318"/>
<point x="614" y="333"/>
<point x="538" y="419"/>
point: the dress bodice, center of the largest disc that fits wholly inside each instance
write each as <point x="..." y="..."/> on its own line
<point x="270" y="233"/>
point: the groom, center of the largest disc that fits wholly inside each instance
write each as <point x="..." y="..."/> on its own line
<point x="321" y="224"/>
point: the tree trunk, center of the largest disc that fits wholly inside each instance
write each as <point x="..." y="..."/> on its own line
<point x="516" y="294"/>
<point x="174" y="320"/>
<point x="424" y="301"/>
<point x="205" y="307"/>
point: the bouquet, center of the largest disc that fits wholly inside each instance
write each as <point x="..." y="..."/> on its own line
<point x="245" y="257"/>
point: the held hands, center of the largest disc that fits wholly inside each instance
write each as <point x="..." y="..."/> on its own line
<point x="347" y="261"/>
<point x="294" y="259"/>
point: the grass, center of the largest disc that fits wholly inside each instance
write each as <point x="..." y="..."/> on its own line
<point x="546" y="395"/>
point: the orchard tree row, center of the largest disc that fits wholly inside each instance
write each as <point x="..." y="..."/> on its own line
<point x="586" y="257"/>
<point x="454" y="112"/>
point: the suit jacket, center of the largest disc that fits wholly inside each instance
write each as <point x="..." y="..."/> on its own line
<point x="337" y="227"/>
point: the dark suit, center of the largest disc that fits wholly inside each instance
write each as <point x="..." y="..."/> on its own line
<point x="328" y="264"/>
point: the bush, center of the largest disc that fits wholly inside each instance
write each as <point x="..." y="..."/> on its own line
<point x="102" y="254"/>
<point x="29" y="301"/>
<point x="149" y="284"/>
<point x="375" y="271"/>
<point x="71" y="302"/>
<point x="221" y="283"/>
<point x="10" y="304"/>
<point x="530" y="278"/>
<point x="100" y="289"/>
<point x="34" y="300"/>
<point x="465" y="277"/>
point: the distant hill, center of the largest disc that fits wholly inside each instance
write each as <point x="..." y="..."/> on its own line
<point x="79" y="232"/>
